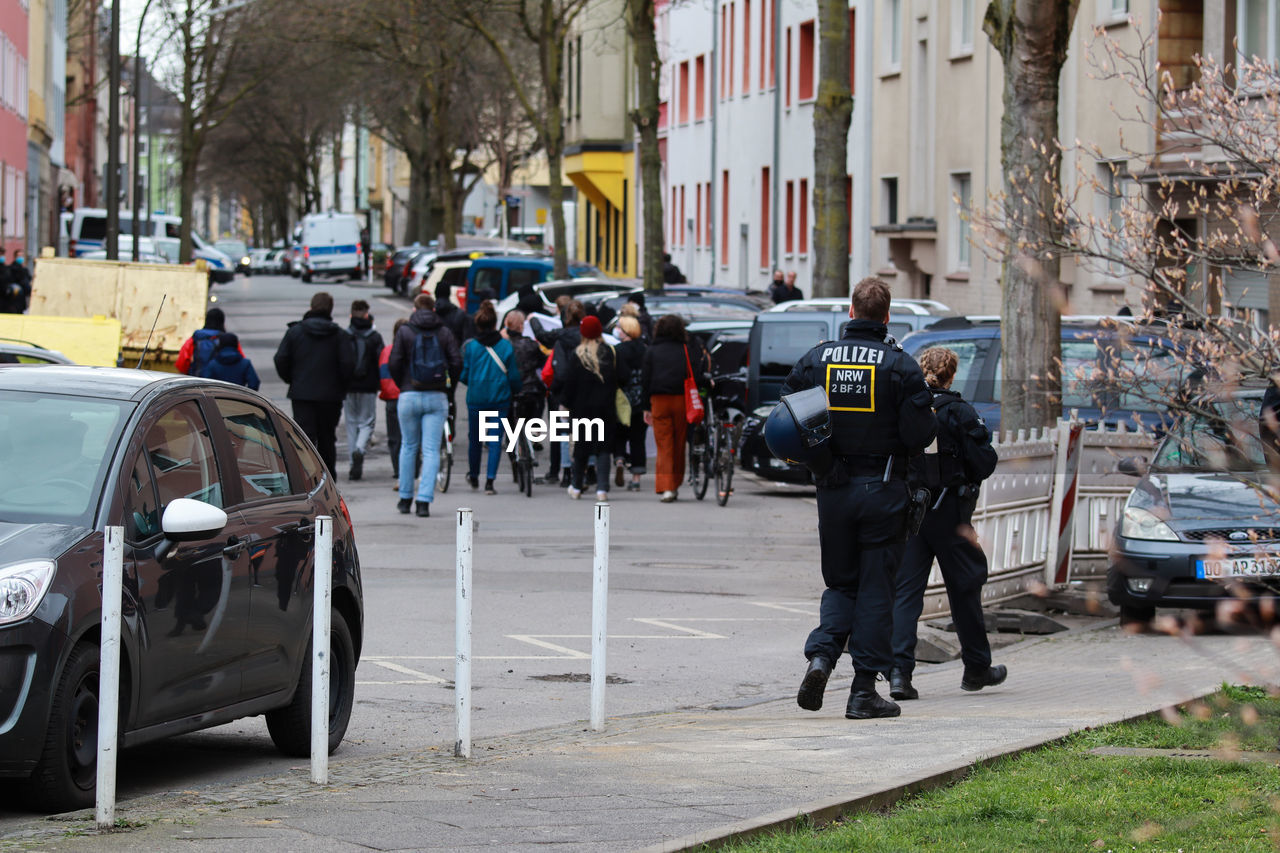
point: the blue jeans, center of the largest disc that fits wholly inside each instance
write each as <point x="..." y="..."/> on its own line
<point x="422" y="415"/>
<point x="473" y="439"/>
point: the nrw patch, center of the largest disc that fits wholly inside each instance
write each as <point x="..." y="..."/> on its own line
<point x="851" y="387"/>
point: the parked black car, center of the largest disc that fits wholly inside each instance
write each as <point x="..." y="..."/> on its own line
<point x="1200" y="527"/>
<point x="218" y="493"/>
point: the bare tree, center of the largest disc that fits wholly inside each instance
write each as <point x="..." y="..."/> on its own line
<point x="1031" y="37"/>
<point x="832" y="114"/>
<point x="545" y="24"/>
<point x="640" y="26"/>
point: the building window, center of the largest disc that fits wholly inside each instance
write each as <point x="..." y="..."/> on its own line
<point x="962" y="191"/>
<point x="724" y="218"/>
<point x="683" y="96"/>
<point x="680" y="226"/>
<point x="889" y="192"/>
<point x="894" y="24"/>
<point x="853" y="53"/>
<point x="746" y="46"/>
<point x="790" y="231"/>
<point x="804" y="216"/>
<point x="788" y="58"/>
<point x="848" y="207"/>
<point x="962" y="27"/>
<point x="766" y="43"/>
<point x="1113" y="186"/>
<point x="675" y="226"/>
<point x="764" y="217"/>
<point x="697" y="202"/>
<point x="733" y="26"/>
<point x="700" y="84"/>
<point x="806" y="62"/>
<point x="724" y="47"/>
<point x="1258" y="23"/>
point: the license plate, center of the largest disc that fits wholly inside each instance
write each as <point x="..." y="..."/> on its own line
<point x="1238" y="567"/>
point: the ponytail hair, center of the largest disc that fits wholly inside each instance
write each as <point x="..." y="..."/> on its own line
<point x="939" y="366"/>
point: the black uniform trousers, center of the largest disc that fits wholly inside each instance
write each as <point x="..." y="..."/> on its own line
<point x="947" y="535"/>
<point x="319" y="422"/>
<point x="859" y="528"/>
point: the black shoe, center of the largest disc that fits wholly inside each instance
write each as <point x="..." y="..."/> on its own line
<point x="990" y="677"/>
<point x="900" y="685"/>
<point x="488" y="488"/>
<point x="424" y="509"/>
<point x="565" y="479"/>
<point x="868" y="704"/>
<point x="473" y="481"/>
<point x="357" y="466"/>
<point x="404" y="506"/>
<point x="814" y="684"/>
<point x="550" y="480"/>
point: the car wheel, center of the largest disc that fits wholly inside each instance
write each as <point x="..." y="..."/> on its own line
<point x="65" y="777"/>
<point x="306" y="278"/>
<point x="1138" y="618"/>
<point x="290" y="726"/>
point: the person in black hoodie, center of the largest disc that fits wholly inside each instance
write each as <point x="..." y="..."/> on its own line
<point x="453" y="317"/>
<point x="361" y="406"/>
<point x="316" y="359"/>
<point x="423" y="405"/>
<point x="663" y="370"/>
<point x="646" y="320"/>
<point x="566" y="340"/>
<point x="629" y="447"/>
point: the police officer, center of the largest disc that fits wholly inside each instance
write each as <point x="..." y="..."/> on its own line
<point x="952" y="469"/>
<point x="880" y="414"/>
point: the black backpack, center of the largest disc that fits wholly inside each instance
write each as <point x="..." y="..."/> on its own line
<point x="366" y="356"/>
<point x="427" y="367"/>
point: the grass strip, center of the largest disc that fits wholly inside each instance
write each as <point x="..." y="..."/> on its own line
<point x="1062" y="798"/>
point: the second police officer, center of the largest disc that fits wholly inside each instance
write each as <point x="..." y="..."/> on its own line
<point x="953" y="469"/>
<point x="874" y="401"/>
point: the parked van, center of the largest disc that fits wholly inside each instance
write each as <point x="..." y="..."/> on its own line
<point x="330" y="245"/>
<point x="87" y="232"/>
<point x="504" y="275"/>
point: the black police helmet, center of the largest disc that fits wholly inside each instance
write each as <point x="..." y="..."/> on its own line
<point x="799" y="429"/>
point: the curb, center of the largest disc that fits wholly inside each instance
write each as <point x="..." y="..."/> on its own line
<point x="822" y="812"/>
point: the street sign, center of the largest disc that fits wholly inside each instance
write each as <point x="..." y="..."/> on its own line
<point x="540" y="216"/>
<point x="513" y="201"/>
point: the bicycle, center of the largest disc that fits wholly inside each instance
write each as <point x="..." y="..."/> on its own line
<point x="727" y="407"/>
<point x="445" y="472"/>
<point x="701" y="457"/>
<point x="523" y="460"/>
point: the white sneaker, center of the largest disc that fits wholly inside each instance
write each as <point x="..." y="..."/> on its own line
<point x="667" y="497"/>
<point x="574" y="494"/>
<point x="601" y="497"/>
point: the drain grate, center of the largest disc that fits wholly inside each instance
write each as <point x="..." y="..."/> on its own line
<point x="1192" y="754"/>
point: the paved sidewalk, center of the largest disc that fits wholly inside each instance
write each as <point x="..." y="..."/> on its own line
<point x="669" y="781"/>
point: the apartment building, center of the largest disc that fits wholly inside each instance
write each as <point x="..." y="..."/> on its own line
<point x="46" y="149"/>
<point x="13" y="123"/>
<point x="600" y="157"/>
<point x="740" y="78"/>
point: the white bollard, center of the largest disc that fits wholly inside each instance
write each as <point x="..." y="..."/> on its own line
<point x="109" y="675"/>
<point x="322" y="603"/>
<point x="462" y="638"/>
<point x="599" y="616"/>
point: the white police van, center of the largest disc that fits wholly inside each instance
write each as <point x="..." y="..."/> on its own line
<point x="86" y="231"/>
<point x="331" y="245"/>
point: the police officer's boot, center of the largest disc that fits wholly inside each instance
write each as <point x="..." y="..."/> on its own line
<point x="989" y="677"/>
<point x="814" y="684"/>
<point x="900" y="685"/>
<point x="865" y="703"/>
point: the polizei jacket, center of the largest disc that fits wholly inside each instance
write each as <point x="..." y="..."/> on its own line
<point x="880" y="405"/>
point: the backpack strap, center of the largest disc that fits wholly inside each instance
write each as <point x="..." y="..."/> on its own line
<point x="496" y="358"/>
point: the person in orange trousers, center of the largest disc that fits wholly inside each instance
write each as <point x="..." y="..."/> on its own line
<point x="667" y="362"/>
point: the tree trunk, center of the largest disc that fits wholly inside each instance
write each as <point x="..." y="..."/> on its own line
<point x="648" y="78"/>
<point x="1032" y="37"/>
<point x="552" y="61"/>
<point x="832" y="113"/>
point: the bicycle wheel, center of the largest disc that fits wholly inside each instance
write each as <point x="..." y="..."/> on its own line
<point x="698" y="468"/>
<point x="445" y="472"/>
<point x="525" y="461"/>
<point x="724" y="464"/>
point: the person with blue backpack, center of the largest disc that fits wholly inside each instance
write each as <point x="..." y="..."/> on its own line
<point x="198" y="350"/>
<point x="493" y="378"/>
<point x="425" y="364"/>
<point x="230" y="365"/>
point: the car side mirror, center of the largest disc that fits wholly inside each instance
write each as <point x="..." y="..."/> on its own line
<point x="187" y="520"/>
<point x="1134" y="466"/>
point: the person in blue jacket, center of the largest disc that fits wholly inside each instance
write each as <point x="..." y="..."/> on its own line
<point x="492" y="377"/>
<point x="229" y="364"/>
